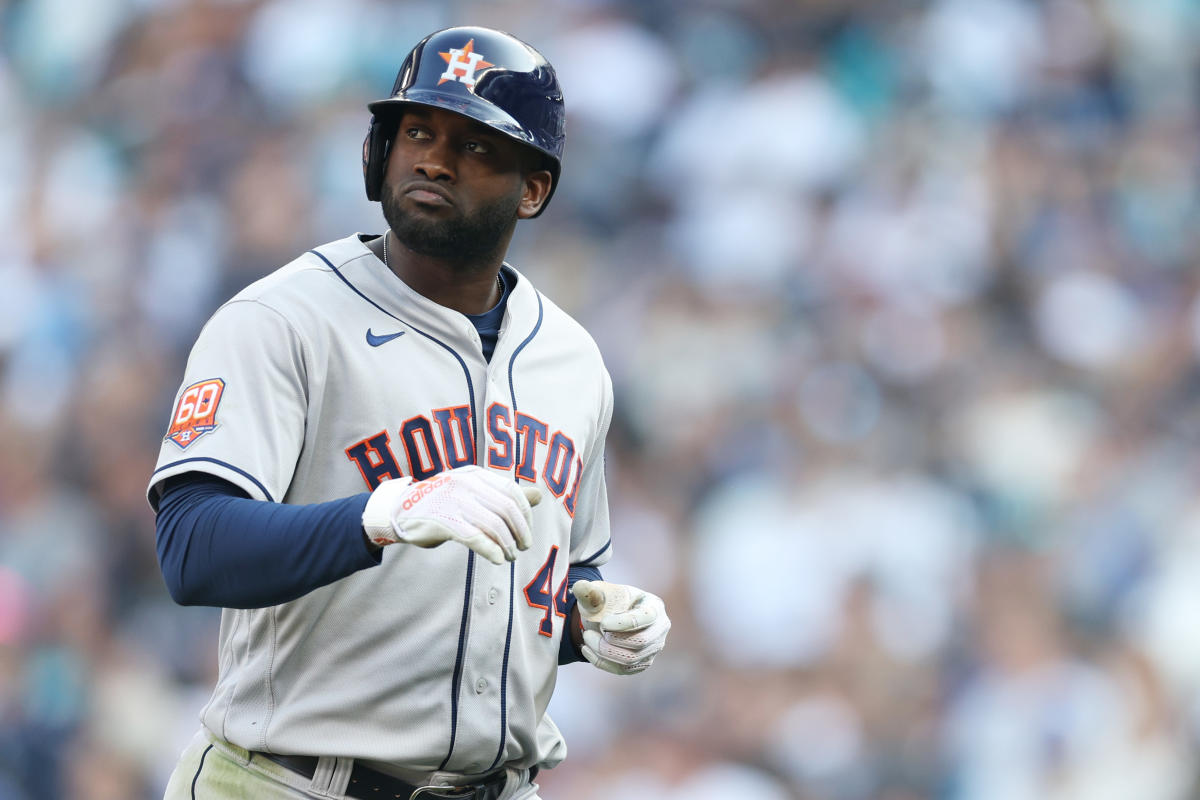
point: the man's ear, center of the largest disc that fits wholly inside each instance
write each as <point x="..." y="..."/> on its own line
<point x="537" y="189"/>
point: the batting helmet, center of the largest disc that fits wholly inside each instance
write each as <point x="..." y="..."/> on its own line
<point x="481" y="73"/>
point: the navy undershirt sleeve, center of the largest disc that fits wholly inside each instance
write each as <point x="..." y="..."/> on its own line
<point x="567" y="652"/>
<point x="218" y="547"/>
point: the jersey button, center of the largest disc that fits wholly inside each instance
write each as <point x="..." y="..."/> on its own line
<point x="492" y="595"/>
<point x="481" y="686"/>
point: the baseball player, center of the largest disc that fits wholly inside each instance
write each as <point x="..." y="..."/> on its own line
<point x="385" y="463"/>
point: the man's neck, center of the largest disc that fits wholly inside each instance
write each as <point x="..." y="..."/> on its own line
<point x="469" y="288"/>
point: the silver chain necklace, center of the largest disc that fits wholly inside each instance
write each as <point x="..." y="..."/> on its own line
<point x="499" y="280"/>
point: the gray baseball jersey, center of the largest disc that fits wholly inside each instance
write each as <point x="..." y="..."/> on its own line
<point x="325" y="378"/>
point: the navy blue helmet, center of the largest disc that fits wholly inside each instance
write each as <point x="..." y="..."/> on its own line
<point x="487" y="75"/>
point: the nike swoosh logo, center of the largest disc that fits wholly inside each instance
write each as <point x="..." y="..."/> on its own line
<point x="375" y="341"/>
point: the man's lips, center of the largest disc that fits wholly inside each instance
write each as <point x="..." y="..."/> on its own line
<point x="428" y="193"/>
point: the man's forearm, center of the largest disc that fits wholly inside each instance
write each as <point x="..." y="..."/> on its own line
<point x="217" y="547"/>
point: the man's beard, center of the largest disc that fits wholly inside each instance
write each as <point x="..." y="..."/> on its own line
<point x="460" y="239"/>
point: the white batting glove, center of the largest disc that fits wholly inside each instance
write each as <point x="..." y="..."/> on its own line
<point x="479" y="508"/>
<point x="624" y="627"/>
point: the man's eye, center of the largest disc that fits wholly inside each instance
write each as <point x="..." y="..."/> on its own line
<point x="416" y="133"/>
<point x="478" y="147"/>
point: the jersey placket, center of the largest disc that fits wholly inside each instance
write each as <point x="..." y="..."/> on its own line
<point x="478" y="685"/>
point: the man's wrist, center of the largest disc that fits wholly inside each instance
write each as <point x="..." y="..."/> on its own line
<point x="372" y="548"/>
<point x="575" y="624"/>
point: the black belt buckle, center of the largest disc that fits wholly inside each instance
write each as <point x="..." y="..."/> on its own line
<point x="491" y="788"/>
<point x="439" y="793"/>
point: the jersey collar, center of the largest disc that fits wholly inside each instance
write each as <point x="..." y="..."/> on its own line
<point x="368" y="275"/>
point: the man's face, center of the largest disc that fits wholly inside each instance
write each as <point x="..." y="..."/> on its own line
<point x="454" y="188"/>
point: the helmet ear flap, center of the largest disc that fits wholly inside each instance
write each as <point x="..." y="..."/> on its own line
<point x="375" y="153"/>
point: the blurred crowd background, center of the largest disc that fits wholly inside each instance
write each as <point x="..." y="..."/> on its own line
<point x="900" y="303"/>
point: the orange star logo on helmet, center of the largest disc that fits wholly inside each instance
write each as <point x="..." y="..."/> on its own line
<point x="462" y="64"/>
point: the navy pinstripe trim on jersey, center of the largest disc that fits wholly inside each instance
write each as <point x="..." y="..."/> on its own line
<point x="512" y="589"/>
<point x="458" y="659"/>
<point x="512" y="393"/>
<point x="594" y="555"/>
<point x="512" y="390"/>
<point x="462" y="632"/>
<point x="199" y="767"/>
<point x="224" y="464"/>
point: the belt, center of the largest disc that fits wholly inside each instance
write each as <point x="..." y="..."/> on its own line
<point x="369" y="784"/>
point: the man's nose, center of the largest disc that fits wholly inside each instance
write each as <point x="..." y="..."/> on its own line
<point x="436" y="162"/>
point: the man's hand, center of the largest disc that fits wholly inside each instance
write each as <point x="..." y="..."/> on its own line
<point x="484" y="510"/>
<point x="624" y="627"/>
